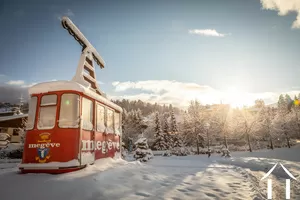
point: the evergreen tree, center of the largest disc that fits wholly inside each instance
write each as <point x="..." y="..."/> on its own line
<point x="142" y="152"/>
<point x="177" y="141"/>
<point x="166" y="130"/>
<point x="281" y="103"/>
<point x="288" y="99"/>
<point x="139" y="120"/>
<point x="160" y="142"/>
<point x="166" y="125"/>
<point x="173" y="123"/>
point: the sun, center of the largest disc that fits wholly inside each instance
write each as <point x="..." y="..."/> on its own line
<point x="235" y="97"/>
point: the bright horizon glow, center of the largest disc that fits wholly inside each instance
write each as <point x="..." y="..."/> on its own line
<point x="236" y="97"/>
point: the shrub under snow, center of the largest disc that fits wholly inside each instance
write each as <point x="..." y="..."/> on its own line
<point x="180" y="151"/>
<point x="226" y="153"/>
<point x="142" y="153"/>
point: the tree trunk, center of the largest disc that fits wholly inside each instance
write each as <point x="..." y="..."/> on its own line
<point x="198" y="150"/>
<point x="249" y="142"/>
<point x="208" y="142"/>
<point x="287" y="140"/>
<point x="271" y="142"/>
<point x="298" y="129"/>
<point x="225" y="140"/>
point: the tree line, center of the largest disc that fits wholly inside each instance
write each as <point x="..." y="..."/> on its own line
<point x="255" y="127"/>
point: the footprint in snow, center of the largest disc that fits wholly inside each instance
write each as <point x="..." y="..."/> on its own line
<point x="142" y="194"/>
<point x="182" y="190"/>
<point x="164" y="184"/>
<point x="211" y="195"/>
<point x="192" y="190"/>
<point x="217" y="190"/>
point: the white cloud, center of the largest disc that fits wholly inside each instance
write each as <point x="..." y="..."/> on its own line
<point x="28" y="85"/>
<point x="206" y="32"/>
<point x="180" y="93"/>
<point x="284" y="7"/>
<point x="17" y="82"/>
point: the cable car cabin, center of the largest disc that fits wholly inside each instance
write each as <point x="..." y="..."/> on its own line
<point x="69" y="126"/>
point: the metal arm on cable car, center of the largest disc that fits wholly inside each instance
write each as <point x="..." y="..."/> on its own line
<point x="79" y="37"/>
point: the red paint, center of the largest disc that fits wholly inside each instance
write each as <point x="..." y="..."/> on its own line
<point x="67" y="150"/>
<point x="65" y="144"/>
<point x="51" y="171"/>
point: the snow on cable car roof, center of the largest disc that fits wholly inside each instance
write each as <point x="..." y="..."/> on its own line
<point x="53" y="86"/>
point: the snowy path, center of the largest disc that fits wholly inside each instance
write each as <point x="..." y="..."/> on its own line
<point x="174" y="178"/>
<point x="189" y="177"/>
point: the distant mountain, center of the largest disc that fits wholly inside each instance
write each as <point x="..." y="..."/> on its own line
<point x="12" y="94"/>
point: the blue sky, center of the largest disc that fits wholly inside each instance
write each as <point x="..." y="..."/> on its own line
<point x="153" y="49"/>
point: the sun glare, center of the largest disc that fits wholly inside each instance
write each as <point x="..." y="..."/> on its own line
<point x="235" y="97"/>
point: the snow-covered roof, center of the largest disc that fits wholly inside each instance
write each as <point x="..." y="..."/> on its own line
<point x="6" y="118"/>
<point x="70" y="85"/>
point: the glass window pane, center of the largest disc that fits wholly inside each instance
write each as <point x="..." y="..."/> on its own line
<point x="49" y="100"/>
<point x="117" y="123"/>
<point x="87" y="114"/>
<point x="47" y="117"/>
<point x="69" y="111"/>
<point x="110" y="121"/>
<point x="100" y="118"/>
<point x="31" y="113"/>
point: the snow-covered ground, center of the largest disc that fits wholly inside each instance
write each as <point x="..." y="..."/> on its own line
<point x="187" y="177"/>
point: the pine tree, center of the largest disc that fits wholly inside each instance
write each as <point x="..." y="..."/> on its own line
<point x="160" y="142"/>
<point x="138" y="121"/>
<point x="166" y="125"/>
<point x="142" y="152"/>
<point x="288" y="99"/>
<point x="174" y="128"/>
<point x="281" y="103"/>
<point x="177" y="141"/>
<point x="167" y="135"/>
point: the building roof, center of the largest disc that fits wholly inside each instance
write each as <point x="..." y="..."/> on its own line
<point x="7" y="118"/>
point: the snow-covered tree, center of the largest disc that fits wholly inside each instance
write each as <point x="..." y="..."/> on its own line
<point x="283" y="126"/>
<point x="266" y="117"/>
<point x="197" y="120"/>
<point x="247" y="122"/>
<point x="160" y="140"/>
<point x="174" y="128"/>
<point x="220" y="122"/>
<point x="142" y="152"/>
<point x="165" y="124"/>
<point x="166" y="130"/>
<point x="176" y="137"/>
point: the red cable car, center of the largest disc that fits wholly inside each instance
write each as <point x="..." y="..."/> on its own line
<point x="71" y="123"/>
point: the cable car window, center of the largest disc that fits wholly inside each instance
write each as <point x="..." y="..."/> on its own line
<point x="100" y="118"/>
<point x="49" y="100"/>
<point x="47" y="117"/>
<point x="87" y="114"/>
<point x="110" y="121"/>
<point x="117" y="123"/>
<point x="69" y="111"/>
<point x="31" y="113"/>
